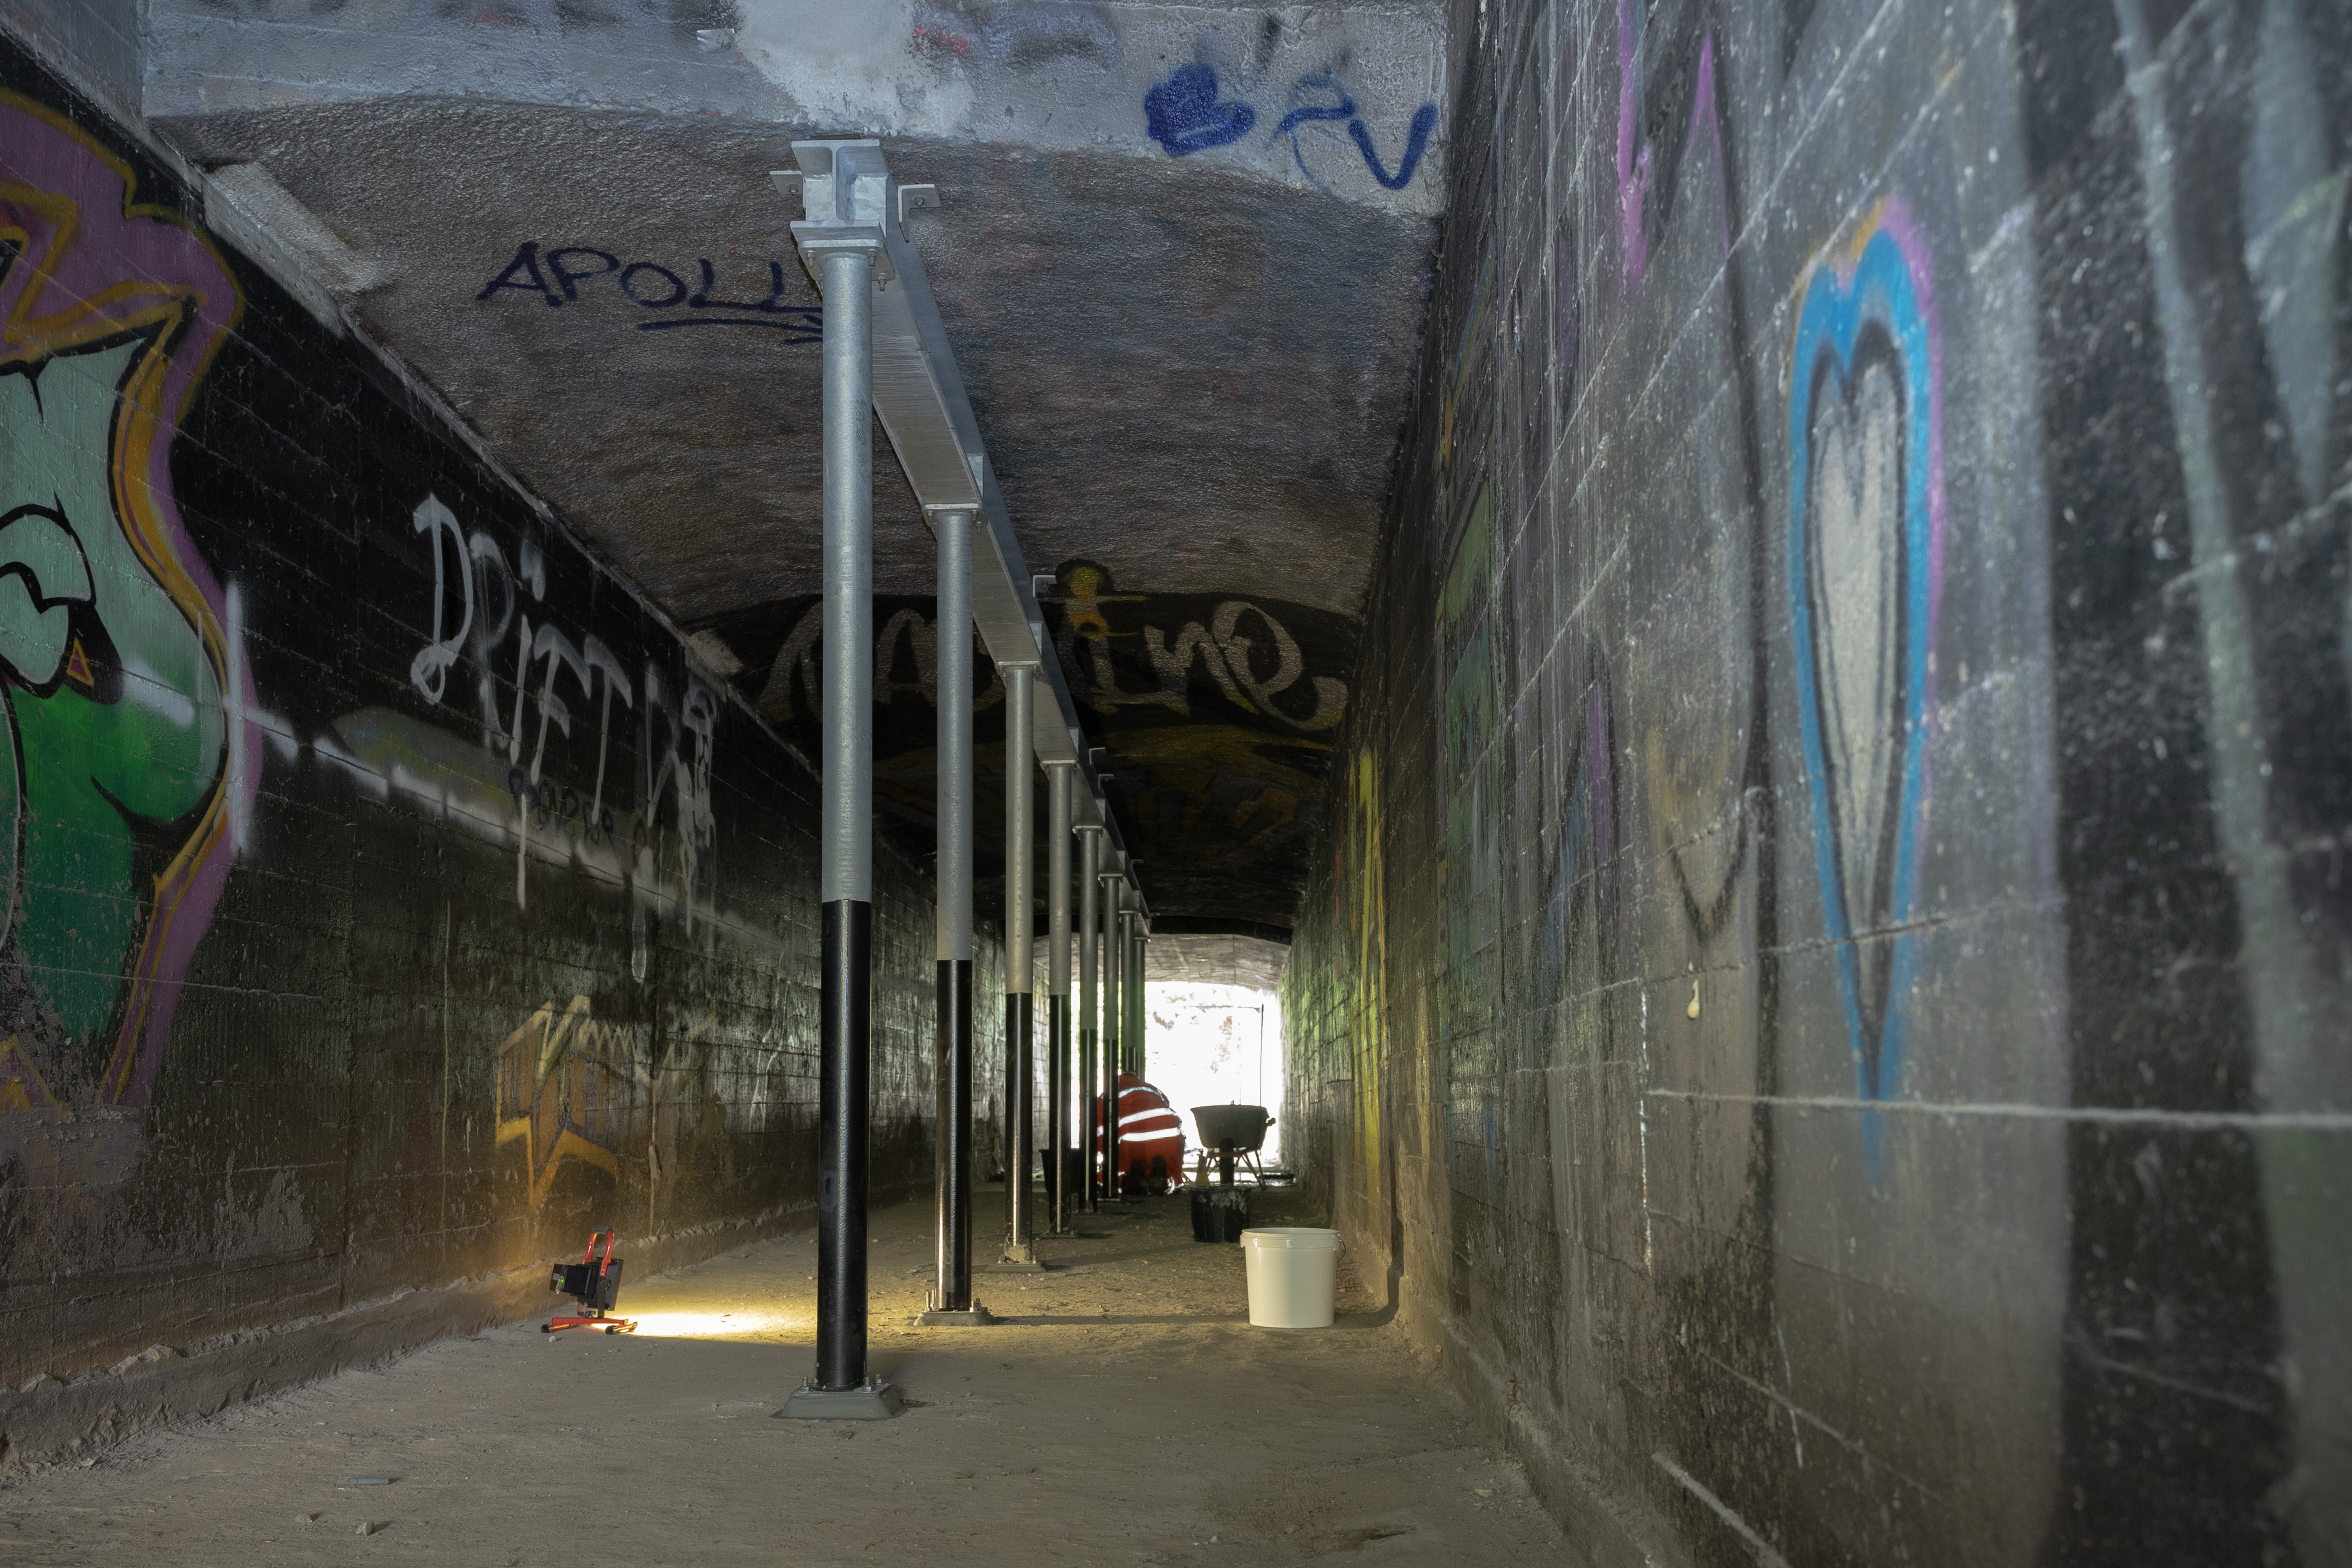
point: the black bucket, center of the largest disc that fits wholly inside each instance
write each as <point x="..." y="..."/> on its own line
<point x="1219" y="1214"/>
<point x="1074" y="1172"/>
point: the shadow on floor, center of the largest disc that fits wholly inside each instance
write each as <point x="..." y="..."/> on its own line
<point x="1075" y="1321"/>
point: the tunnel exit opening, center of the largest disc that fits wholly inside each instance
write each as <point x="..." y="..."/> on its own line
<point x="1207" y="1043"/>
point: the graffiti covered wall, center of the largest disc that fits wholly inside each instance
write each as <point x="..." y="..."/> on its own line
<point x="392" y="896"/>
<point x="1825" y="980"/>
<point x="1216" y="714"/>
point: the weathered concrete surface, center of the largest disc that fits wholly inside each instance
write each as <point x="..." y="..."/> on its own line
<point x="80" y="1411"/>
<point x="1182" y="258"/>
<point x="1126" y="1414"/>
<point x="1219" y="960"/>
<point x="1825" y="976"/>
<point x="1194" y="380"/>
<point x="1246" y="960"/>
<point x="1043" y="75"/>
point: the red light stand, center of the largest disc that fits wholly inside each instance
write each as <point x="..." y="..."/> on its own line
<point x="596" y="1284"/>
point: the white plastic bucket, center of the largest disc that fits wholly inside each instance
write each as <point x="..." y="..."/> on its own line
<point x="1293" y="1273"/>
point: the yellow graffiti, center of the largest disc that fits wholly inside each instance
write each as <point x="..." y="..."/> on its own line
<point x="1684" y="774"/>
<point x="572" y="1087"/>
<point x="1368" y="998"/>
<point x="1187" y="761"/>
<point x="21" y="1088"/>
<point x="1084" y="606"/>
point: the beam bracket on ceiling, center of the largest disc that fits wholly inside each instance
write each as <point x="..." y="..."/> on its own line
<point x="912" y="197"/>
<point x="845" y="189"/>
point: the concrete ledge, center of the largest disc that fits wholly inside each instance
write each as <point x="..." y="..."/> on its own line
<point x="1611" y="1519"/>
<point x="50" y="1420"/>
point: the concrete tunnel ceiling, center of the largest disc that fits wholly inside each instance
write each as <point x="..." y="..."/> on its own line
<point x="1182" y="258"/>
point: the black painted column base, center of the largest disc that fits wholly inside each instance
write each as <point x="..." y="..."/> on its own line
<point x="1057" y="1114"/>
<point x="1112" y="1095"/>
<point x="847" y="1006"/>
<point x="951" y="1058"/>
<point x="1089" y="1185"/>
<point x="1020" y="1151"/>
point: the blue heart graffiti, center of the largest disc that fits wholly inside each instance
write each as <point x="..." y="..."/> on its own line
<point x="1864" y="363"/>
<point x="1184" y="116"/>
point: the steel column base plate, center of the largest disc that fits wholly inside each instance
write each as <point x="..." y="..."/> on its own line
<point x="1008" y="1264"/>
<point x="873" y="1400"/>
<point x="977" y="1317"/>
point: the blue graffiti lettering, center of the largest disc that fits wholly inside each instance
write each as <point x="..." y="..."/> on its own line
<point x="1424" y="121"/>
<point x="795" y="319"/>
<point x="1306" y="114"/>
<point x="1183" y="113"/>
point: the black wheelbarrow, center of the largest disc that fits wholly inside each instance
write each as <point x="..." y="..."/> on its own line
<point x="1221" y="1212"/>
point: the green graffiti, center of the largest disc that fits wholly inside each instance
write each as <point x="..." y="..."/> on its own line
<point x="114" y="706"/>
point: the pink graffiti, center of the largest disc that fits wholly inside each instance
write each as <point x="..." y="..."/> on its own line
<point x="1632" y="159"/>
<point x="1634" y="154"/>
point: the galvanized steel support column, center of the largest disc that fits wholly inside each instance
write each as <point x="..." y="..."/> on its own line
<point x="843" y="247"/>
<point x="1137" y="1008"/>
<point x="951" y="1048"/>
<point x="1020" y="951"/>
<point x="847" y="870"/>
<point x="1135" y="993"/>
<point x="1115" y="983"/>
<point x="1057" y="993"/>
<point x="1090" y="848"/>
<point x="1114" y="970"/>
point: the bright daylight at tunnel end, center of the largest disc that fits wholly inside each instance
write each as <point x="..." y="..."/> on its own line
<point x="1417" y="781"/>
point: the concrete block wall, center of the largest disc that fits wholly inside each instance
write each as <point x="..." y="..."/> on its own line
<point x="1826" y="990"/>
<point x="393" y="897"/>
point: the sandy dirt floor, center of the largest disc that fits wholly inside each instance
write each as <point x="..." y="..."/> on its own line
<point x="1126" y="1413"/>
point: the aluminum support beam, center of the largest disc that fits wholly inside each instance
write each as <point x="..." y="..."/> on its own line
<point x="1057" y="993"/>
<point x="908" y="377"/>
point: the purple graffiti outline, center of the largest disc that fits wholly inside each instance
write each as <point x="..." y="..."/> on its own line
<point x="1634" y="156"/>
<point x="1633" y="165"/>
<point x="89" y="236"/>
